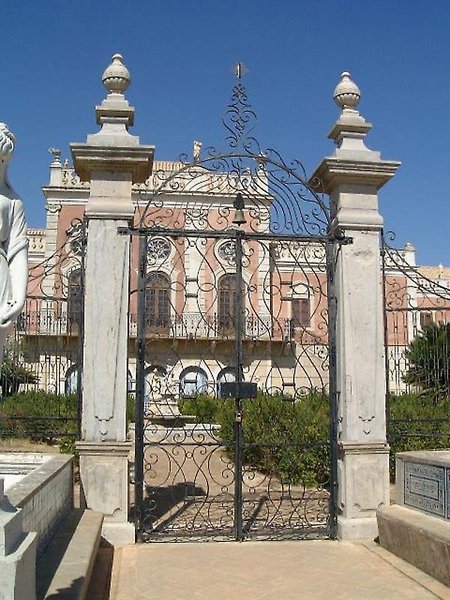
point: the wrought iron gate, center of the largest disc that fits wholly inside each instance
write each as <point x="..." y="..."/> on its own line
<point x="234" y="322"/>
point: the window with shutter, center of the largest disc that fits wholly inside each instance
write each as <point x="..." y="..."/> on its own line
<point x="157" y="303"/>
<point x="301" y="312"/>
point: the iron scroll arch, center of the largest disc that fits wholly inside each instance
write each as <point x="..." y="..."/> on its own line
<point x="259" y="174"/>
<point x="277" y="196"/>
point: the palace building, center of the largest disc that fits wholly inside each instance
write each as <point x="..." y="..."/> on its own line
<point x="191" y="285"/>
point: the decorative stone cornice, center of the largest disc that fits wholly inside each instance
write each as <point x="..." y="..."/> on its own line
<point x="363" y="447"/>
<point x="334" y="171"/>
<point x="137" y="160"/>
<point x="36" y="238"/>
<point x="100" y="448"/>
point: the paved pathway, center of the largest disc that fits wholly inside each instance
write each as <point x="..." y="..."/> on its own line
<point x="267" y="570"/>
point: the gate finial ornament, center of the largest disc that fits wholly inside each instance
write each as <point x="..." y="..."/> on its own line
<point x="116" y="78"/>
<point x="346" y="93"/>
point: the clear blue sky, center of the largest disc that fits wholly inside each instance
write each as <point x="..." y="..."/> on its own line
<point x="180" y="54"/>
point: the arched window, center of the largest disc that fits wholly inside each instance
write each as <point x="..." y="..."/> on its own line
<point x="193" y="381"/>
<point x="228" y="374"/>
<point x="74" y="301"/>
<point x="227" y="304"/>
<point x="157" y="302"/>
<point x="71" y="380"/>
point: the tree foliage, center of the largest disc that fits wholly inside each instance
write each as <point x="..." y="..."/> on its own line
<point x="428" y="356"/>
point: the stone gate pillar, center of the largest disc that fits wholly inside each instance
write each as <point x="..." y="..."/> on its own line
<point x="352" y="177"/>
<point x="111" y="160"/>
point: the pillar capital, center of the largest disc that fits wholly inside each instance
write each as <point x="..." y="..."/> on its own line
<point x="112" y="160"/>
<point x="353" y="174"/>
<point x="352" y="163"/>
<point x="89" y="158"/>
<point x="334" y="172"/>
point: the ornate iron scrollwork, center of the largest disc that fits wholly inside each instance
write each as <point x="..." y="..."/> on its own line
<point x="219" y="308"/>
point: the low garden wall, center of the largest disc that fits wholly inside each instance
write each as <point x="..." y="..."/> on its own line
<point x="45" y="495"/>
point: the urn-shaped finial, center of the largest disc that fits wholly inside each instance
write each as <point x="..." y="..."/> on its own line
<point x="346" y="93"/>
<point x="116" y="77"/>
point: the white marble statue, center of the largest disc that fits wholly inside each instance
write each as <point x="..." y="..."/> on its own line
<point x="13" y="243"/>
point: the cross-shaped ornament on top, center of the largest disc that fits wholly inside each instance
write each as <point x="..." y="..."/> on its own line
<point x="240" y="70"/>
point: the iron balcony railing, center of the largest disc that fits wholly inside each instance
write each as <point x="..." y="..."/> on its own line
<point x="56" y="322"/>
<point x="196" y="325"/>
<point x="49" y="321"/>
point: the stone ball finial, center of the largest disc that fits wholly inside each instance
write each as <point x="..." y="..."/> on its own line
<point x="116" y="77"/>
<point x="346" y="93"/>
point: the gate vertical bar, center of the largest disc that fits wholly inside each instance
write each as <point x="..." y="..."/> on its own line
<point x="140" y="388"/>
<point x="81" y="329"/>
<point x="386" y="341"/>
<point x="332" y="248"/>
<point x="238" y="400"/>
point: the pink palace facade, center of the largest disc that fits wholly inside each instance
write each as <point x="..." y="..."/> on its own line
<point x="287" y="281"/>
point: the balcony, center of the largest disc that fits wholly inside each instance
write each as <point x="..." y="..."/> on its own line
<point x="199" y="326"/>
<point x="48" y="321"/>
<point x="57" y="322"/>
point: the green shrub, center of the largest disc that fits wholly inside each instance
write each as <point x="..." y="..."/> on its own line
<point x="280" y="437"/>
<point x="12" y="375"/>
<point x="205" y="408"/>
<point x="39" y="416"/>
<point x="131" y="409"/>
<point x="288" y="438"/>
<point x="428" y="357"/>
<point x="417" y="422"/>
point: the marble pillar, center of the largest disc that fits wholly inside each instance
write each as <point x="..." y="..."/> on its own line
<point x="352" y="177"/>
<point x="111" y="160"/>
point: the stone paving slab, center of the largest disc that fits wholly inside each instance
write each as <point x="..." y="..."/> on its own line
<point x="266" y="571"/>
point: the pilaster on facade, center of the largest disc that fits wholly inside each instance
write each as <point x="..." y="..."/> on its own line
<point x="37" y="244"/>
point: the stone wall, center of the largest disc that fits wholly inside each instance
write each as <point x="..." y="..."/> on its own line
<point x="45" y="495"/>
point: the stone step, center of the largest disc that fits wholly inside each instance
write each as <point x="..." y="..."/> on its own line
<point x="420" y="539"/>
<point x="64" y="570"/>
